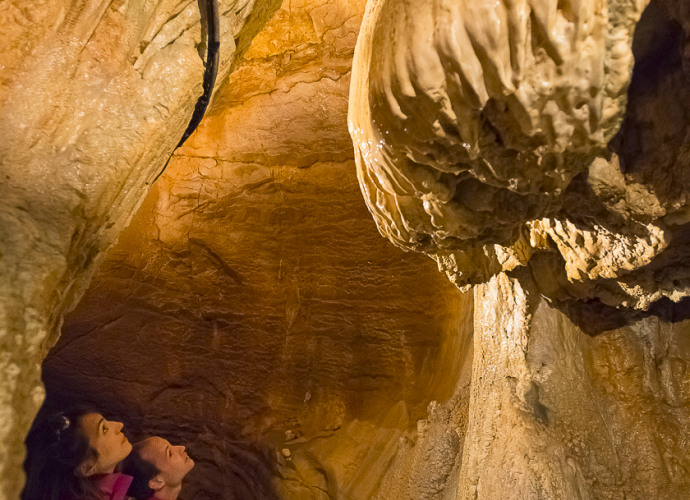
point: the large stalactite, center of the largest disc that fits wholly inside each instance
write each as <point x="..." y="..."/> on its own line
<point x="487" y="133"/>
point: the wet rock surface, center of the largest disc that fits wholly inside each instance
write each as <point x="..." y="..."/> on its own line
<point x="487" y="133"/>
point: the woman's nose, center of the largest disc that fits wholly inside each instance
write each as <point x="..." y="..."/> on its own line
<point x="117" y="426"/>
<point x="180" y="449"/>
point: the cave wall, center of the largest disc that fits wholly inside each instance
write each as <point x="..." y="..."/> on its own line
<point x="555" y="412"/>
<point x="562" y="414"/>
<point x="94" y="96"/>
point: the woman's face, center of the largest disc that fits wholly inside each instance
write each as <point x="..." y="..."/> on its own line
<point x="106" y="438"/>
<point x="172" y="462"/>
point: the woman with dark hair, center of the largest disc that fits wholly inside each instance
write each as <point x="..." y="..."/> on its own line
<point x="142" y="472"/>
<point x="77" y="455"/>
<point x="158" y="469"/>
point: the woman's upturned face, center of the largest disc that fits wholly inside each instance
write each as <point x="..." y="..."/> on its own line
<point x="172" y="462"/>
<point x="106" y="438"/>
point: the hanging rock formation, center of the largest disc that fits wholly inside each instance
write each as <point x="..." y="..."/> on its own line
<point x="488" y="132"/>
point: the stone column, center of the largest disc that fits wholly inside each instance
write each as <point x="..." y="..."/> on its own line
<point x="511" y="449"/>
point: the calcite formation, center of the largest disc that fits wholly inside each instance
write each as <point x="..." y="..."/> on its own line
<point x="517" y="145"/>
<point x="487" y="132"/>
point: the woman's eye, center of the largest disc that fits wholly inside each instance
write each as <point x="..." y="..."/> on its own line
<point x="105" y="429"/>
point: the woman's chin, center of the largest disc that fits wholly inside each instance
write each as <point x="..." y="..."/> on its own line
<point x="126" y="449"/>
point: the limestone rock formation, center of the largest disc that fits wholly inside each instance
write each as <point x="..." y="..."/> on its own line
<point x="251" y="311"/>
<point x="514" y="143"/>
<point x="556" y="413"/>
<point x="487" y="132"/>
<point x="94" y="95"/>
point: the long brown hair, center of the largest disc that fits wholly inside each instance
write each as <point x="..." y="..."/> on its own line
<point x="60" y="446"/>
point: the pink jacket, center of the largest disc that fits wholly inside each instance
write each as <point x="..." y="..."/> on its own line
<point x="114" y="486"/>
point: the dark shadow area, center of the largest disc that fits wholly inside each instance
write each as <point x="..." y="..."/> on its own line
<point x="594" y="317"/>
<point x="651" y="137"/>
<point x="226" y="464"/>
<point x="657" y="47"/>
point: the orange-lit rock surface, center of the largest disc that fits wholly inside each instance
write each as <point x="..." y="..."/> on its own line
<point x="253" y="295"/>
<point x="252" y="312"/>
<point x="94" y="96"/>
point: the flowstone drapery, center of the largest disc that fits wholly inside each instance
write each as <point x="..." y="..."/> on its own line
<point x="488" y="132"/>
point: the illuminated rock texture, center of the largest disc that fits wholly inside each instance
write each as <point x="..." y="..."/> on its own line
<point x="487" y="132"/>
<point x="495" y="138"/>
<point x="252" y="295"/>
<point x="553" y="412"/>
<point x="94" y="95"/>
<point x="252" y="312"/>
